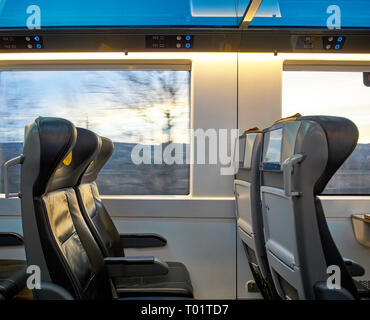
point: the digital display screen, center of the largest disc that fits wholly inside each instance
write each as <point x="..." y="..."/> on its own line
<point x="241" y="146"/>
<point x="246" y="144"/>
<point x="249" y="144"/>
<point x="272" y="150"/>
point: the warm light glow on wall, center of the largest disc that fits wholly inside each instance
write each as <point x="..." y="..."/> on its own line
<point x="179" y="55"/>
<point x="116" y="55"/>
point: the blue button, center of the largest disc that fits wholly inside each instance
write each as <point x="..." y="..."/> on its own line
<point x="340" y="39"/>
<point x="337" y="47"/>
<point x="187" y="45"/>
<point x="188" y="38"/>
<point x="38" y="46"/>
<point x="37" y="38"/>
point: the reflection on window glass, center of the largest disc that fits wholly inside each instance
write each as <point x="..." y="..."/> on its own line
<point x="272" y="157"/>
<point x="336" y="94"/>
<point x="129" y="107"/>
<point x="114" y="13"/>
<point x="312" y="13"/>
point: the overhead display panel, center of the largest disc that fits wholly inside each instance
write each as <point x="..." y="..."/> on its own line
<point x="46" y="14"/>
<point x="313" y="13"/>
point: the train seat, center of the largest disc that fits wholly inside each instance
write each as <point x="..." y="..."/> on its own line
<point x="249" y="211"/>
<point x="57" y="238"/>
<point x="175" y="282"/>
<point x="300" y="155"/>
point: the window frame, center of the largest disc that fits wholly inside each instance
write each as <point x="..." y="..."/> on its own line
<point x="327" y="66"/>
<point x="115" y="65"/>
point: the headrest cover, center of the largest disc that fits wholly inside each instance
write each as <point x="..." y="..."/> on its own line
<point x="290" y="118"/>
<point x="253" y="129"/>
<point x="99" y="161"/>
<point x="56" y="139"/>
<point x="72" y="167"/>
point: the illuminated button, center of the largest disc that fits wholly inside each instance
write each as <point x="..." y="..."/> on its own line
<point x="28" y="38"/>
<point x="37" y="38"/>
<point x="178" y="38"/>
<point x="178" y="45"/>
<point x="187" y="45"/>
<point x="188" y="38"/>
<point x="38" y="46"/>
<point x="328" y="46"/>
<point x="330" y="39"/>
<point x="29" y="46"/>
<point x="337" y="47"/>
<point x="340" y="39"/>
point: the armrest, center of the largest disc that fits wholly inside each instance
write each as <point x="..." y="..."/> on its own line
<point x="135" y="266"/>
<point x="142" y="240"/>
<point x="354" y="268"/>
<point x="322" y="292"/>
<point x="8" y="239"/>
<point x="52" y="291"/>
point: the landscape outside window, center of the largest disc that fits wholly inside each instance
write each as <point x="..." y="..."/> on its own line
<point x="337" y="94"/>
<point x="130" y="107"/>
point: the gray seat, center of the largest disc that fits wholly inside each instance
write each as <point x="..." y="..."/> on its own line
<point x="249" y="211"/>
<point x="300" y="155"/>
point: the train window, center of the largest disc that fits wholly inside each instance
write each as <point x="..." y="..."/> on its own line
<point x="335" y="93"/>
<point x="147" y="109"/>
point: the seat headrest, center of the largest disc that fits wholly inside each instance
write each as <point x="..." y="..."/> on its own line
<point x="55" y="138"/>
<point x="339" y="137"/>
<point x="70" y="170"/>
<point x="342" y="136"/>
<point x="99" y="160"/>
<point x="65" y="153"/>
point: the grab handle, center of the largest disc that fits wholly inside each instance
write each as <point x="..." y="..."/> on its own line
<point x="7" y="165"/>
<point x="288" y="165"/>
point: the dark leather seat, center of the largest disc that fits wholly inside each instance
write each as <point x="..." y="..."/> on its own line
<point x="56" y="236"/>
<point x="69" y="255"/>
<point x="13" y="277"/>
<point x="175" y="282"/>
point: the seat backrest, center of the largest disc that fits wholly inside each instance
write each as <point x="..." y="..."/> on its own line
<point x="92" y="207"/>
<point x="247" y="196"/>
<point x="300" y="155"/>
<point x="57" y="238"/>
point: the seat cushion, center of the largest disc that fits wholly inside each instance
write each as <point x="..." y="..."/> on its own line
<point x="176" y="282"/>
<point x="13" y="277"/>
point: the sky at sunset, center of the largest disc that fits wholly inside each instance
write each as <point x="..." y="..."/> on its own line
<point x="328" y="93"/>
<point x="126" y="106"/>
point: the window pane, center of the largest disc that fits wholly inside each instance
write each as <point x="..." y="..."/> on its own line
<point x="337" y="94"/>
<point x="149" y="108"/>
